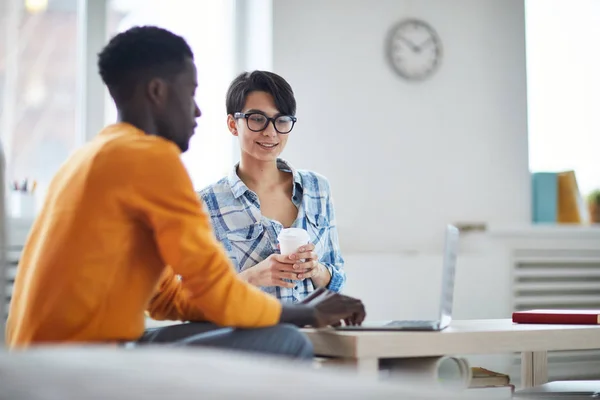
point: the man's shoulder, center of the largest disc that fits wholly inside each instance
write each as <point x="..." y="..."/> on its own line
<point x="134" y="154"/>
<point x="123" y="161"/>
<point x="142" y="147"/>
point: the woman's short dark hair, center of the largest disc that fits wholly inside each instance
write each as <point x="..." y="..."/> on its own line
<point x="260" y="81"/>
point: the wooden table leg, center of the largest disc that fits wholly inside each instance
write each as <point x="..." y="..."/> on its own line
<point x="534" y="368"/>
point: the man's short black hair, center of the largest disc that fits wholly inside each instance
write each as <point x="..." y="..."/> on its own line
<point x="261" y="81"/>
<point x="142" y="52"/>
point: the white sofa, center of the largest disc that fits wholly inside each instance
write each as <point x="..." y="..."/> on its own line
<point x="180" y="373"/>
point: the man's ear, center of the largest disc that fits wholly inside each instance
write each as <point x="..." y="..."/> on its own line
<point x="157" y="91"/>
<point x="231" y="124"/>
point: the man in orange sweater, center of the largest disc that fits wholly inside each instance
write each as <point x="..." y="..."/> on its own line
<point x="122" y="231"/>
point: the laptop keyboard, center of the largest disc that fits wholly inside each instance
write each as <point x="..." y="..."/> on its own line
<point x="411" y="323"/>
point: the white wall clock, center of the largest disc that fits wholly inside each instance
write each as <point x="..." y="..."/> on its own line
<point x="414" y="49"/>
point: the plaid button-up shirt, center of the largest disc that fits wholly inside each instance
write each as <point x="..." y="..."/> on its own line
<point x="249" y="237"/>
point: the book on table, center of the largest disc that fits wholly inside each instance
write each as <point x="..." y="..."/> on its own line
<point x="577" y="317"/>
<point x="482" y="377"/>
<point x="488" y="384"/>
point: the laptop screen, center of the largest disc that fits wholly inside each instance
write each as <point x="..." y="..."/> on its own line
<point x="448" y="274"/>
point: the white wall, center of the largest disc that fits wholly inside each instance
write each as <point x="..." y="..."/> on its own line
<point x="395" y="286"/>
<point x="403" y="158"/>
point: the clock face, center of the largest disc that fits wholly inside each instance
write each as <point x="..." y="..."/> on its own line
<point x="414" y="49"/>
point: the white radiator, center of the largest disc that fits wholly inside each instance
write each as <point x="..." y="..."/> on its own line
<point x="560" y="278"/>
<point x="17" y="231"/>
<point x="12" y="259"/>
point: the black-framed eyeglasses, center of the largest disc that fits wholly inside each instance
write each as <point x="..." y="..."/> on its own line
<point x="258" y="122"/>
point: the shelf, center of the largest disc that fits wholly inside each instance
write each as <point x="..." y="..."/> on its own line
<point x="567" y="231"/>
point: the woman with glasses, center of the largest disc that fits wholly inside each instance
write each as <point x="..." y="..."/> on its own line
<point x="264" y="194"/>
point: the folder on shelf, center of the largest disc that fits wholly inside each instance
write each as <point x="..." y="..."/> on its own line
<point x="544" y="197"/>
<point x="556" y="198"/>
<point x="572" y="208"/>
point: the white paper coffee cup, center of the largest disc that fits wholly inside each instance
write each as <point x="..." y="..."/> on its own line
<point x="291" y="239"/>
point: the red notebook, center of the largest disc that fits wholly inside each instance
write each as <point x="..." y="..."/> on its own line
<point x="579" y="317"/>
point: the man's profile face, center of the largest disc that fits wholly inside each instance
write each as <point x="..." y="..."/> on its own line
<point x="178" y="119"/>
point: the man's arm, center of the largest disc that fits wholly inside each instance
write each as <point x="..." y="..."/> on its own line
<point x="170" y="303"/>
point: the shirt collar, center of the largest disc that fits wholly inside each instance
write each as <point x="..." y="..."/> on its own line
<point x="238" y="188"/>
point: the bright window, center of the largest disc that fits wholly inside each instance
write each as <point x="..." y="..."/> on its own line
<point x="207" y="25"/>
<point x="564" y="88"/>
<point x="38" y="81"/>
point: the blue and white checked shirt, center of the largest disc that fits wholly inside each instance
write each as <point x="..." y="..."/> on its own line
<point x="249" y="237"/>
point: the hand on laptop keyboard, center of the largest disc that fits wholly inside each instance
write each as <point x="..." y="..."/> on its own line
<point x="332" y="308"/>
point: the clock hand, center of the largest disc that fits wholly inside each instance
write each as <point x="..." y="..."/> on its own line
<point x="409" y="43"/>
<point x="420" y="47"/>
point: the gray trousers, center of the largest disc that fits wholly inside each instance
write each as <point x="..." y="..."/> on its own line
<point x="279" y="340"/>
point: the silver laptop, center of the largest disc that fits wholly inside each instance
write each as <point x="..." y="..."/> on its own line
<point x="445" y="311"/>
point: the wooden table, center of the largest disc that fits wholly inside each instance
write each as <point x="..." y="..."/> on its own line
<point x="364" y="349"/>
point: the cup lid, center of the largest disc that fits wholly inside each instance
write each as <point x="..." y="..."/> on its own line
<point x="293" y="233"/>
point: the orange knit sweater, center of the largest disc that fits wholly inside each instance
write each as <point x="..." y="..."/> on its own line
<point x="117" y="213"/>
